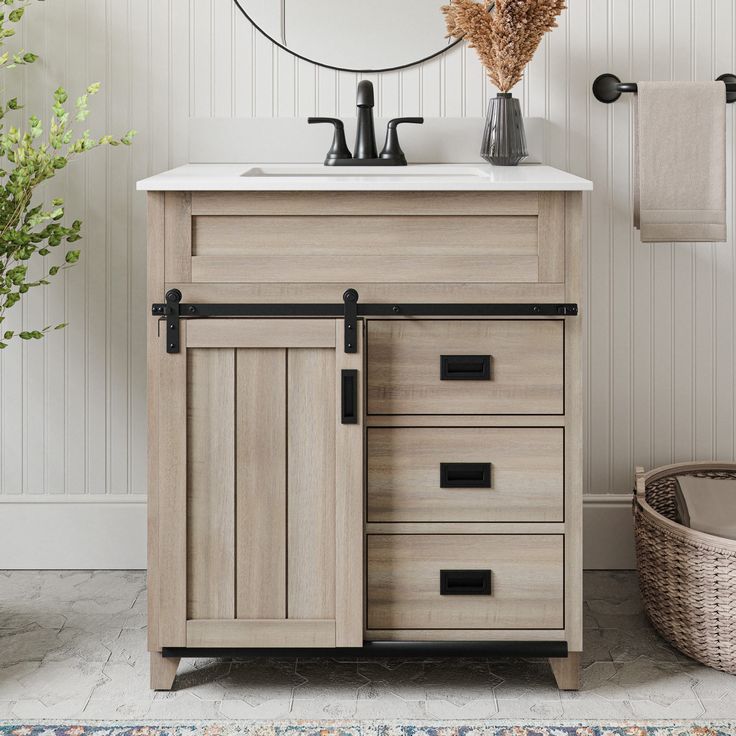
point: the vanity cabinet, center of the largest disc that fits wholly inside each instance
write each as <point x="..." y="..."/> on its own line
<point x="415" y="480"/>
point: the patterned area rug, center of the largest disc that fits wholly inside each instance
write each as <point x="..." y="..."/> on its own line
<point x="366" y="728"/>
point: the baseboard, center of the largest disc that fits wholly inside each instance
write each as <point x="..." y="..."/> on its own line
<point x="103" y="532"/>
<point x="74" y="532"/>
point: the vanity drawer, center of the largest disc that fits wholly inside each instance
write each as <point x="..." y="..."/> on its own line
<point x="465" y="366"/>
<point x="479" y="581"/>
<point x="497" y="474"/>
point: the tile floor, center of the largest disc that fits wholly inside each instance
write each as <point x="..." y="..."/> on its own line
<point x="73" y="645"/>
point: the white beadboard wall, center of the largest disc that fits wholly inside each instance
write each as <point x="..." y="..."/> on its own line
<point x="661" y="327"/>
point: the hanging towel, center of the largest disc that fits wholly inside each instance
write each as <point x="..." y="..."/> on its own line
<point x="680" y="161"/>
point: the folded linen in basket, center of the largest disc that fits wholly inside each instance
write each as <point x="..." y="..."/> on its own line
<point x="680" y="161"/>
<point x="707" y="504"/>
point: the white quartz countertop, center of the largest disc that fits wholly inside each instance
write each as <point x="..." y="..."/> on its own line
<point x="255" y="177"/>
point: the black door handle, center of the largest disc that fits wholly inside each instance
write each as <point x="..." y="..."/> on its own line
<point x="465" y="367"/>
<point x="349" y="392"/>
<point x="465" y="582"/>
<point x="465" y="475"/>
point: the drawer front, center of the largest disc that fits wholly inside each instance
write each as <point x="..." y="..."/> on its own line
<point x="465" y="367"/>
<point x="480" y="581"/>
<point x="500" y="474"/>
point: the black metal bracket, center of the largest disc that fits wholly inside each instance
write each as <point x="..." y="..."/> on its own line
<point x="350" y="298"/>
<point x="172" y="310"/>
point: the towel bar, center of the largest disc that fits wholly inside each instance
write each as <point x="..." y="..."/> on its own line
<point x="608" y="87"/>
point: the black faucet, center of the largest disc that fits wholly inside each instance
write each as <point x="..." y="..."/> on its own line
<point x="365" y="138"/>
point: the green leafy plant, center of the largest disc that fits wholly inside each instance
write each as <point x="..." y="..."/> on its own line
<point x="31" y="154"/>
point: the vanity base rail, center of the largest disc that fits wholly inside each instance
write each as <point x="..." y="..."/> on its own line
<point x="556" y="649"/>
<point x="173" y="309"/>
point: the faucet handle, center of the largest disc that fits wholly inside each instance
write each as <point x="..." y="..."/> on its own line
<point x="339" y="148"/>
<point x="391" y="148"/>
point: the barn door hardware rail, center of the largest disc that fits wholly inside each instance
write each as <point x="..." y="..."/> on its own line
<point x="608" y="87"/>
<point x="173" y="310"/>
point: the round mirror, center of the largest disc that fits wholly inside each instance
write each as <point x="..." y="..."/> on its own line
<point x="353" y="35"/>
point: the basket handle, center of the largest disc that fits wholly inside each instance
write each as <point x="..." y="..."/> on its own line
<point x="640" y="489"/>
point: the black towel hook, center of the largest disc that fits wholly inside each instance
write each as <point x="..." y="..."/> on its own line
<point x="608" y="87"/>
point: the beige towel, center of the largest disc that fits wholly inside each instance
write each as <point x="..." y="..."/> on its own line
<point x="680" y="161"/>
<point x="707" y="504"/>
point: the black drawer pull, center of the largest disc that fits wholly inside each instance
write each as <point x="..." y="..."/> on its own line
<point x="465" y="582"/>
<point x="465" y="475"/>
<point x="349" y="396"/>
<point x="465" y="367"/>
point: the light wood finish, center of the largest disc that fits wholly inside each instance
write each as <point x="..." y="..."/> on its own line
<point x="378" y="293"/>
<point x="464" y="527"/>
<point x="526" y="474"/>
<point x="574" y="424"/>
<point x="210" y="501"/>
<point x="261" y="633"/>
<point x="261" y="333"/>
<point x="349" y="464"/>
<point x="162" y="671"/>
<point x="279" y="541"/>
<point x="154" y="282"/>
<point x="360" y="203"/>
<point x="551" y="223"/>
<point x="178" y="237"/>
<point x="403" y="582"/>
<point x="261" y="484"/>
<point x="464" y="635"/>
<point x="393" y="268"/>
<point x="404" y="366"/>
<point x="311" y="483"/>
<point x="567" y="671"/>
<point x="172" y="492"/>
<point x="315" y="235"/>
<point x="467" y="420"/>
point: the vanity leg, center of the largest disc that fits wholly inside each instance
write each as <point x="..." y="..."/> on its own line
<point x="163" y="671"/>
<point x="567" y="671"/>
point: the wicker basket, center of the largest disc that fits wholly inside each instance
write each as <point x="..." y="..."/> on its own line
<point x="687" y="578"/>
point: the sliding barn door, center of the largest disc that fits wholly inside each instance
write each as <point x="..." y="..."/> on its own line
<point x="260" y="486"/>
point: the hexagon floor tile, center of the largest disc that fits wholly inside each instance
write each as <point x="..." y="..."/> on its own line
<point x="73" y="646"/>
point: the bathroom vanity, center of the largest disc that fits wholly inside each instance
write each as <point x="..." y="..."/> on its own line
<point x="365" y="420"/>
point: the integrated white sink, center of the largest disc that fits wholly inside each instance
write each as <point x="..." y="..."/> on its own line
<point x="394" y="173"/>
<point x="283" y="177"/>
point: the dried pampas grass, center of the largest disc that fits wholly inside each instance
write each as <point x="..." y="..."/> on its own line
<point x="505" y="36"/>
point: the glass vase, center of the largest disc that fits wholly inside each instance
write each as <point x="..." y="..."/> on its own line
<point x="504" y="142"/>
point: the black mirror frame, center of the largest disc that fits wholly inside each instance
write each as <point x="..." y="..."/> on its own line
<point x="339" y="68"/>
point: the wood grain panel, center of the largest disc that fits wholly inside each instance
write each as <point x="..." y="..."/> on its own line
<point x="178" y="236"/>
<point x="356" y="203"/>
<point x="574" y="426"/>
<point x="172" y="494"/>
<point x="325" y="293"/>
<point x="526" y="474"/>
<point x="261" y="484"/>
<point x="391" y="269"/>
<point x="289" y="235"/>
<point x="211" y="484"/>
<point x="349" y="500"/>
<point x="311" y="483"/>
<point x="261" y="333"/>
<point x="154" y="350"/>
<point x="551" y="224"/>
<point x="261" y="633"/>
<point x="404" y="582"/>
<point x="404" y="366"/>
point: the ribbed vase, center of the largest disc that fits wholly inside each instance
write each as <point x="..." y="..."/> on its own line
<point x="504" y="142"/>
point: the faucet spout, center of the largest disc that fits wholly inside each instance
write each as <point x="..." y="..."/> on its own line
<point x="365" y="137"/>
